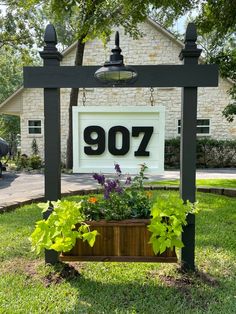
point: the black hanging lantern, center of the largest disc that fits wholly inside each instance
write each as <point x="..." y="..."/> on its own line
<point x="114" y="71"/>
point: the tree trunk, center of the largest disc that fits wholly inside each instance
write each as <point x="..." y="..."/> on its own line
<point x="73" y="102"/>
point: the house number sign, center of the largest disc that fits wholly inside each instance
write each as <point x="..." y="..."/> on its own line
<point x="125" y="135"/>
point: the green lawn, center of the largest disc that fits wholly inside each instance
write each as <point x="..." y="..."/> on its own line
<point x="26" y="286"/>
<point x="225" y="183"/>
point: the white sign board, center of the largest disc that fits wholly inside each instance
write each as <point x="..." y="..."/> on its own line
<point x="129" y="136"/>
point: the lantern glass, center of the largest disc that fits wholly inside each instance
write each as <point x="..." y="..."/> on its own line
<point x="115" y="74"/>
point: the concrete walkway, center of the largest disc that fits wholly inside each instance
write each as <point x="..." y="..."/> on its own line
<point x="16" y="188"/>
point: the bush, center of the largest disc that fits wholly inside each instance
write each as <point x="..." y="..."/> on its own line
<point x="35" y="162"/>
<point x="32" y="162"/>
<point x="22" y="162"/>
<point x="172" y="153"/>
<point x="211" y="153"/>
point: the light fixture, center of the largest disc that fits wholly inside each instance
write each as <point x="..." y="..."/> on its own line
<point x="114" y="72"/>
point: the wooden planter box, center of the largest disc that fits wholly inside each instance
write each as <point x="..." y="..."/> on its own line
<point x="119" y="241"/>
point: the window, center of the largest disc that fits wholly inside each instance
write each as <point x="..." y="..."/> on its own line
<point x="203" y="126"/>
<point x="34" y="126"/>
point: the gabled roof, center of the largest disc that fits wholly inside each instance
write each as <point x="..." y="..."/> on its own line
<point x="165" y="32"/>
<point x="11" y="97"/>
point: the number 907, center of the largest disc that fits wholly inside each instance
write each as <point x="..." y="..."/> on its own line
<point x="100" y="140"/>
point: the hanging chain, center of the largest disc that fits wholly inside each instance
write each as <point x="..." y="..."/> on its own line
<point x="152" y="96"/>
<point x="84" y="97"/>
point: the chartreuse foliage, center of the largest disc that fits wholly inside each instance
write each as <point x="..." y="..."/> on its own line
<point x="59" y="231"/>
<point x="169" y="215"/>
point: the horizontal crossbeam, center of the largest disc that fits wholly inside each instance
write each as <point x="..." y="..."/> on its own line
<point x="148" y="76"/>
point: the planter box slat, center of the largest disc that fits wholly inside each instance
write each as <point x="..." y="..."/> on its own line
<point x="119" y="241"/>
<point x="146" y="259"/>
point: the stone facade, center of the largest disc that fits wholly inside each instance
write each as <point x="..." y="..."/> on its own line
<point x="156" y="46"/>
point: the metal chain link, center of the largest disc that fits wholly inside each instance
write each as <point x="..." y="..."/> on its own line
<point x="84" y="97"/>
<point x="152" y="96"/>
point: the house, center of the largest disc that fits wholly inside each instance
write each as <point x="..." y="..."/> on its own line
<point x="156" y="46"/>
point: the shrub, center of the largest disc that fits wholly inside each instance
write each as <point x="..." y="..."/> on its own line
<point x="216" y="153"/>
<point x="22" y="162"/>
<point x="35" y="162"/>
<point x="32" y="162"/>
<point x="172" y="153"/>
<point x="210" y="153"/>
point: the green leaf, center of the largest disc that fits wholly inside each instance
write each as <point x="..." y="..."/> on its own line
<point x="162" y="247"/>
<point x="156" y="246"/>
<point x="155" y="212"/>
<point x="43" y="206"/>
<point x="177" y="243"/>
<point x="90" y="237"/>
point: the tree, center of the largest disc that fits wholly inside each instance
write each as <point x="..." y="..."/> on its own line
<point x="16" y="43"/>
<point x="19" y="31"/>
<point x="9" y="130"/>
<point x="217" y="20"/>
<point x="10" y="73"/>
<point x="216" y="24"/>
<point x="20" y="28"/>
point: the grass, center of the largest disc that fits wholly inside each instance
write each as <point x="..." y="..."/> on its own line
<point x="226" y="183"/>
<point x="27" y="286"/>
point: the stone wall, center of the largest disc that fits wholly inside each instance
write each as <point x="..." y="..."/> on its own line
<point x="154" y="47"/>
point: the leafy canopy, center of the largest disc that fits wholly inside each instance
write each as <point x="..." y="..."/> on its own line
<point x="216" y="25"/>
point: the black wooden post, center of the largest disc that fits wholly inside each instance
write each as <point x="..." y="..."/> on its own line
<point x="190" y="55"/>
<point x="52" y="134"/>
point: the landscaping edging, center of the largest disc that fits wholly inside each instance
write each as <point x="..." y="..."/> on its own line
<point x="213" y="190"/>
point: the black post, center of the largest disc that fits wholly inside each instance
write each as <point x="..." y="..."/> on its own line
<point x="190" y="55"/>
<point x="52" y="134"/>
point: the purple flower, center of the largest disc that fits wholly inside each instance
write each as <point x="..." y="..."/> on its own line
<point x="119" y="190"/>
<point x="106" y="194"/>
<point x="100" y="178"/>
<point x="109" y="186"/>
<point x="128" y="180"/>
<point x="117" y="168"/>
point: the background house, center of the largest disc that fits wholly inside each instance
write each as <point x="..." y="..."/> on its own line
<point x="156" y="46"/>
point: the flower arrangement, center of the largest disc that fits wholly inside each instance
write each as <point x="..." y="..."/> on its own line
<point x="123" y="198"/>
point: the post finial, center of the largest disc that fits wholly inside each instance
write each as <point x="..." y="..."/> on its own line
<point x="50" y="36"/>
<point x="117" y="39"/>
<point x="191" y="33"/>
<point x="190" y="50"/>
<point x="50" y="50"/>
